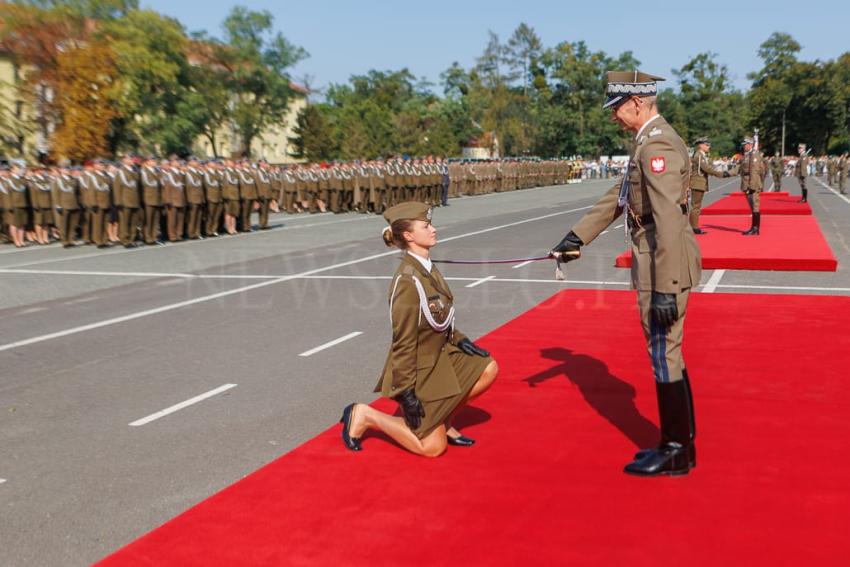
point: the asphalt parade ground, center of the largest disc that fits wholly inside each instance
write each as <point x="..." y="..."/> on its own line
<point x="136" y="383"/>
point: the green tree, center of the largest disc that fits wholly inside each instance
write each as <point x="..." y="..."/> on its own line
<point x="709" y="104"/>
<point x="314" y="135"/>
<point x="258" y="65"/>
<point x="151" y="57"/>
<point x="521" y="53"/>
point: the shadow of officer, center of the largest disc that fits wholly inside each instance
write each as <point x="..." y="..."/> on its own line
<point x="610" y="397"/>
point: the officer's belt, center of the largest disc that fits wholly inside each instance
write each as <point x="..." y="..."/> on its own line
<point x="647" y="219"/>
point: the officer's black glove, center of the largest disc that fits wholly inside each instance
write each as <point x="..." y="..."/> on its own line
<point x="95" y="209"/>
<point x="726" y="174"/>
<point x="471" y="348"/>
<point x="411" y="407"/>
<point x="569" y="248"/>
<point x="663" y="307"/>
<point x="59" y="210"/>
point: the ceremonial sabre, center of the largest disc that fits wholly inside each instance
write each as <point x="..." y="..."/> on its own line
<point x="559" y="273"/>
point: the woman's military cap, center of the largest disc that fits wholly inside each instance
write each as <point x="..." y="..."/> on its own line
<point x="624" y="84"/>
<point x="703" y="140"/>
<point x="410" y="210"/>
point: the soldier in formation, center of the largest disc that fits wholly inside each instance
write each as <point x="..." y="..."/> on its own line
<point x="149" y="201"/>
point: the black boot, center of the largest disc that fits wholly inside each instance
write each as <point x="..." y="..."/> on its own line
<point x="673" y="455"/>
<point x="692" y="450"/>
<point x="698" y="230"/>
<point x="754" y="230"/>
<point x="805" y="198"/>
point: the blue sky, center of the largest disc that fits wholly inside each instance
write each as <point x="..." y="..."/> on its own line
<point x="351" y="37"/>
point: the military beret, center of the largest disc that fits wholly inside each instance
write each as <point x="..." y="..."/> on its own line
<point x="410" y="210"/>
<point x="703" y="140"/>
<point x="624" y="84"/>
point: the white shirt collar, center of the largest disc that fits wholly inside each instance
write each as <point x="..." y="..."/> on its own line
<point x="645" y="124"/>
<point x="426" y="262"/>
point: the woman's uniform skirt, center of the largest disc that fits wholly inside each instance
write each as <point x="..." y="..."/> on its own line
<point x="468" y="368"/>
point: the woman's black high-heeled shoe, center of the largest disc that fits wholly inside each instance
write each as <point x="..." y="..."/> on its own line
<point x="460" y="441"/>
<point x="351" y="443"/>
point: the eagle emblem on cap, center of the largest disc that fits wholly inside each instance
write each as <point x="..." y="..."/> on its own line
<point x="429" y="213"/>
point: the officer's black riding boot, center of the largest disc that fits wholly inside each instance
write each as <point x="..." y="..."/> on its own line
<point x="754" y="230"/>
<point x="692" y="450"/>
<point x="673" y="456"/>
<point x="805" y="198"/>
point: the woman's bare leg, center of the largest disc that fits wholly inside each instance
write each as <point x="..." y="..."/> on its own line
<point x="365" y="417"/>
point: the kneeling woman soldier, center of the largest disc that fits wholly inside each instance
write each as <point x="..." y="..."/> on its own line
<point x="432" y="370"/>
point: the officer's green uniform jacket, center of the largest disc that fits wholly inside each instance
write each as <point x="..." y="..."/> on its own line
<point x="701" y="168"/>
<point x="665" y="255"/>
<point x="418" y="356"/>
<point x="752" y="172"/>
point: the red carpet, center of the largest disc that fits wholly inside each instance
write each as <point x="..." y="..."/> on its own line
<point x="789" y="243"/>
<point x="771" y="204"/>
<point x="544" y="486"/>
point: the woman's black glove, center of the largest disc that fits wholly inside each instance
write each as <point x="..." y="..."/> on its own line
<point x="471" y="348"/>
<point x="411" y="407"/>
<point x="663" y="307"/>
<point x="569" y="248"/>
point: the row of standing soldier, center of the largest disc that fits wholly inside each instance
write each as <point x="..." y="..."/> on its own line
<point x="105" y="203"/>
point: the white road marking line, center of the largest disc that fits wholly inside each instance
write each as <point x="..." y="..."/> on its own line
<point x="2" y="480"/>
<point x="181" y="405"/>
<point x="604" y="232"/>
<point x="843" y="197"/>
<point x="138" y="274"/>
<point x="210" y="297"/>
<point x="328" y="345"/>
<point x="554" y="281"/>
<point x="33" y="310"/>
<point x="619" y="225"/>
<point x="481" y="281"/>
<point x="185" y="242"/>
<point x="518" y="266"/>
<point x="713" y="281"/>
<point x="783" y="287"/>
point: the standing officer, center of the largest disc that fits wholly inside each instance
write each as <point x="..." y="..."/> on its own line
<point x="212" y="189"/>
<point x="665" y="257"/>
<point x="194" y="199"/>
<point x="152" y="199"/>
<point x="67" y="205"/>
<point x="126" y="187"/>
<point x="39" y="191"/>
<point x="830" y="170"/>
<point x="752" y="182"/>
<point x="776" y="170"/>
<point x="802" y="171"/>
<point x="230" y="193"/>
<point x="264" y="193"/>
<point x="842" y="173"/>
<point x="174" y="196"/>
<point x="101" y="183"/>
<point x="248" y="194"/>
<point x="701" y="168"/>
